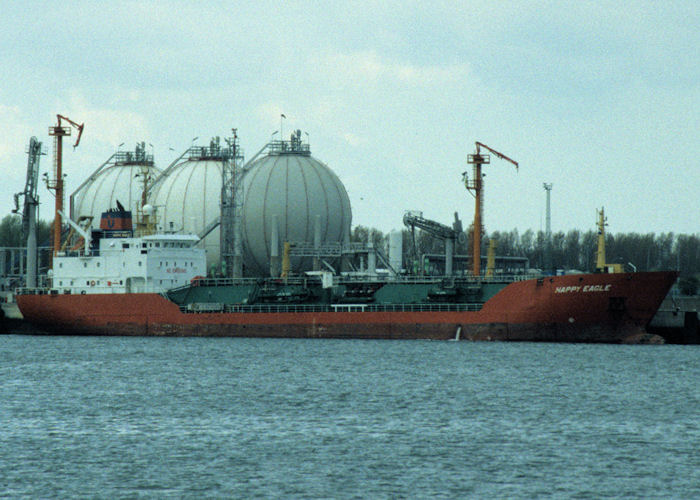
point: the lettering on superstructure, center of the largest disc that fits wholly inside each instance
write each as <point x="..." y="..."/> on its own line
<point x="583" y="289"/>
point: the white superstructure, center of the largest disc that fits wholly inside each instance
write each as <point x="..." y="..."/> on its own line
<point x="153" y="263"/>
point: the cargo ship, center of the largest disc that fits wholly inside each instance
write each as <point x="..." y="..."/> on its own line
<point x="155" y="285"/>
<point x="610" y="308"/>
<point x="125" y="280"/>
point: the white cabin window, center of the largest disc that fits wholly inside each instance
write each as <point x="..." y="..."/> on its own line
<point x="60" y="264"/>
<point x="98" y="264"/>
<point x="139" y="263"/>
<point x="84" y="264"/>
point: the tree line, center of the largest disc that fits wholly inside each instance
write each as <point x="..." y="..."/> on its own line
<point x="11" y="232"/>
<point x="571" y="251"/>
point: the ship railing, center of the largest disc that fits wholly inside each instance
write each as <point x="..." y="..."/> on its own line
<point x="363" y="278"/>
<point x="411" y="279"/>
<point x="332" y="308"/>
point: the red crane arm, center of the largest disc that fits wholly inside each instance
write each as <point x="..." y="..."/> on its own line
<point x="79" y="128"/>
<point x="500" y="155"/>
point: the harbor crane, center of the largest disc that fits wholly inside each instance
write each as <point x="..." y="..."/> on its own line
<point x="475" y="186"/>
<point x="59" y="131"/>
<point x="29" y="209"/>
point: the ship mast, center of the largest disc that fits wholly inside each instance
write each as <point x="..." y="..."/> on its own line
<point x="600" y="265"/>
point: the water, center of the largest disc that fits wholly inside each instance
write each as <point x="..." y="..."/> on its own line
<point x="255" y="418"/>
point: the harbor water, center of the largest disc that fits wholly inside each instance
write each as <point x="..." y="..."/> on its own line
<point x="117" y="417"/>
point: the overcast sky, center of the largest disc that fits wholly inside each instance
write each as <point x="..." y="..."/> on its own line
<point x="602" y="99"/>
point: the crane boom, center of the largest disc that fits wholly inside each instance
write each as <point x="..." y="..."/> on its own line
<point x="31" y="199"/>
<point x="79" y="128"/>
<point x="435" y="228"/>
<point x="500" y="155"/>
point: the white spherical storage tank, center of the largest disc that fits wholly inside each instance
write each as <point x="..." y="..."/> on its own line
<point x="120" y="178"/>
<point x="287" y="186"/>
<point x="290" y="188"/>
<point x="187" y="198"/>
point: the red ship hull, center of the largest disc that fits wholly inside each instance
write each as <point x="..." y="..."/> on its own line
<point x="609" y="308"/>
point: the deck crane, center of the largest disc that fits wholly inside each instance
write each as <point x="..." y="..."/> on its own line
<point x="56" y="182"/>
<point x="448" y="234"/>
<point x="29" y="208"/>
<point x="476" y="186"/>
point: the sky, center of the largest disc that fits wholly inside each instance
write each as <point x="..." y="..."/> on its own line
<point x="601" y="99"/>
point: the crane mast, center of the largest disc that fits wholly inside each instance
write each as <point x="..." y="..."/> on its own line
<point x="476" y="186"/>
<point x="31" y="202"/>
<point x="56" y="182"/>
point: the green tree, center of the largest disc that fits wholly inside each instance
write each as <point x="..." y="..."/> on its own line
<point x="11" y="231"/>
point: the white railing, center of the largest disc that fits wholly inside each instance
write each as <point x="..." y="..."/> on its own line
<point x="333" y="308"/>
